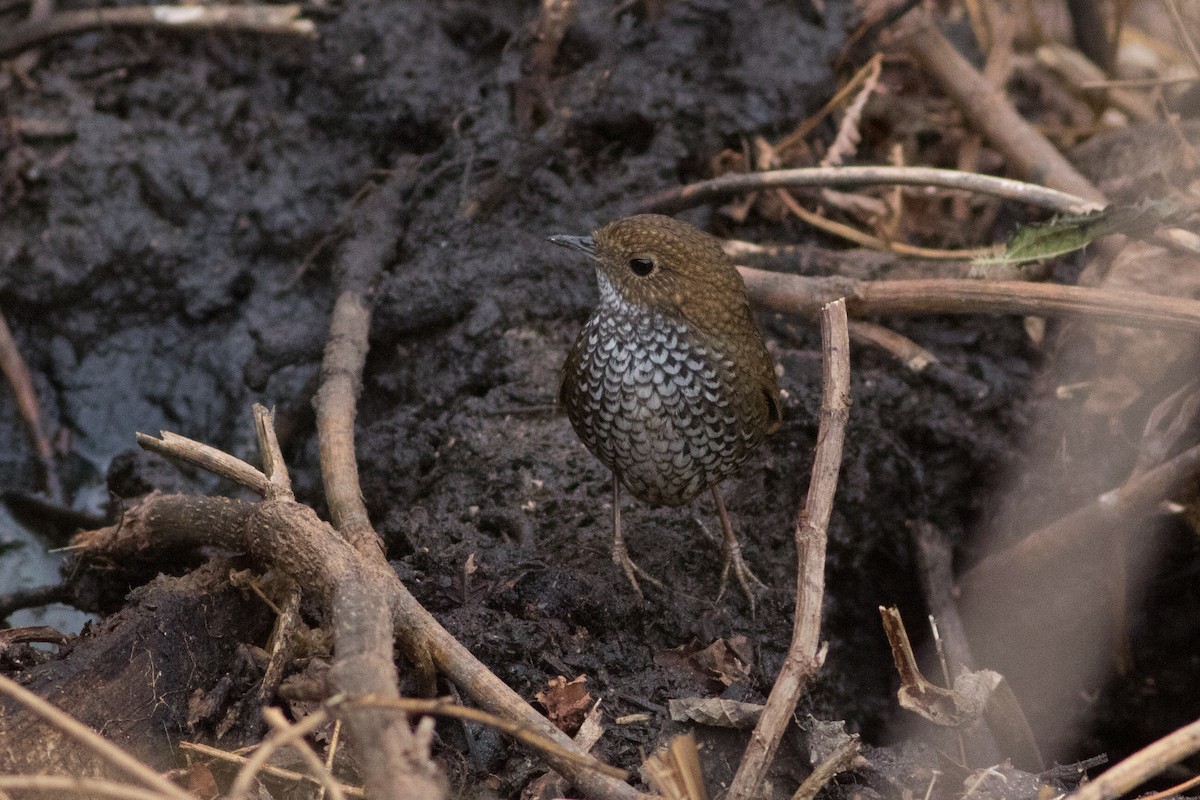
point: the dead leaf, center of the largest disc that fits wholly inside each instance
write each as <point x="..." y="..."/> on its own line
<point x="716" y="667"/>
<point x="715" y="712"/>
<point x="566" y="702"/>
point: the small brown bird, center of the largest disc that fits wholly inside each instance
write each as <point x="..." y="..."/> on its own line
<point x="669" y="384"/>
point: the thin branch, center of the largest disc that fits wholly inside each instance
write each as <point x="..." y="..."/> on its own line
<point x="399" y="763"/>
<point x="16" y="371"/>
<point x="1142" y="766"/>
<point x="282" y="19"/>
<point x="279" y="723"/>
<point x="277" y="740"/>
<point x="207" y="457"/>
<point x="278" y="772"/>
<point x="672" y="200"/>
<point x="92" y="740"/>
<point x="443" y="708"/>
<point x="805" y="654"/>
<point x="1073" y="533"/>
<point x="804" y="295"/>
<point x="840" y="760"/>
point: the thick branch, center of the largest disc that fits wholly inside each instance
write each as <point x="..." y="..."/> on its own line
<point x="804" y="295"/>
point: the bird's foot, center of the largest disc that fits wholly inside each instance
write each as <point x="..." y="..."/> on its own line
<point x="732" y="561"/>
<point x="621" y="558"/>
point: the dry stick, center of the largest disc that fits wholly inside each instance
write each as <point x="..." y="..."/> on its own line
<point x="181" y="448"/>
<point x="1181" y="30"/>
<point x="421" y="634"/>
<point x="799" y="294"/>
<point x="989" y="110"/>
<point x="804" y="656"/>
<point x="278" y="722"/>
<point x="443" y="708"/>
<point x="1073" y="532"/>
<point x="283" y="19"/>
<point x="66" y="785"/>
<point x="277" y="740"/>
<point x="94" y="741"/>
<point x="1142" y="765"/>
<point x="277" y="772"/>
<point x="672" y="200"/>
<point x="533" y="100"/>
<point x="16" y="372"/>
<point x="395" y="760"/>
<point x="841" y="759"/>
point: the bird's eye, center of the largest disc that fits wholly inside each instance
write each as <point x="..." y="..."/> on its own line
<point x="641" y="266"/>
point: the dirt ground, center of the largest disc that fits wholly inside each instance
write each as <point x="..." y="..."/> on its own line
<point x="151" y="270"/>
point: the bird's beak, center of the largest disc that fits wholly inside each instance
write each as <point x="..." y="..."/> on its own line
<point x="584" y="244"/>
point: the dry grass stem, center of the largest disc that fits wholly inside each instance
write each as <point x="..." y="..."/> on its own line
<point x="275" y="741"/>
<point x="274" y="717"/>
<point x="276" y="772"/>
<point x="531" y="738"/>
<point x="68" y="786"/>
<point x="108" y="751"/>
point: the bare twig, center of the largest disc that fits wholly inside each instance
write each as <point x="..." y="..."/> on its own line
<point x="282" y="19"/>
<point x="207" y="457"/>
<point x="531" y="738"/>
<point x="805" y="654"/>
<point x="67" y="785"/>
<point x="1141" y="766"/>
<point x="96" y="743"/>
<point x="279" y="723"/>
<point x="16" y="372"/>
<point x="672" y="200"/>
<point x="804" y="295"/>
<point x="275" y="741"/>
<point x="841" y="759"/>
<point x="278" y="772"/>
<point x="1178" y="788"/>
<point x="532" y="100"/>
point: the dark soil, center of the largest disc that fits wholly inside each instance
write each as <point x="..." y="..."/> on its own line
<point x="148" y="263"/>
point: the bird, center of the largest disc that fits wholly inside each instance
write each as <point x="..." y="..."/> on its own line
<point x="669" y="383"/>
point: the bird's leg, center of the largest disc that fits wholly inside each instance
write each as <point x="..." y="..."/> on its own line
<point x="731" y="555"/>
<point x="620" y="555"/>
